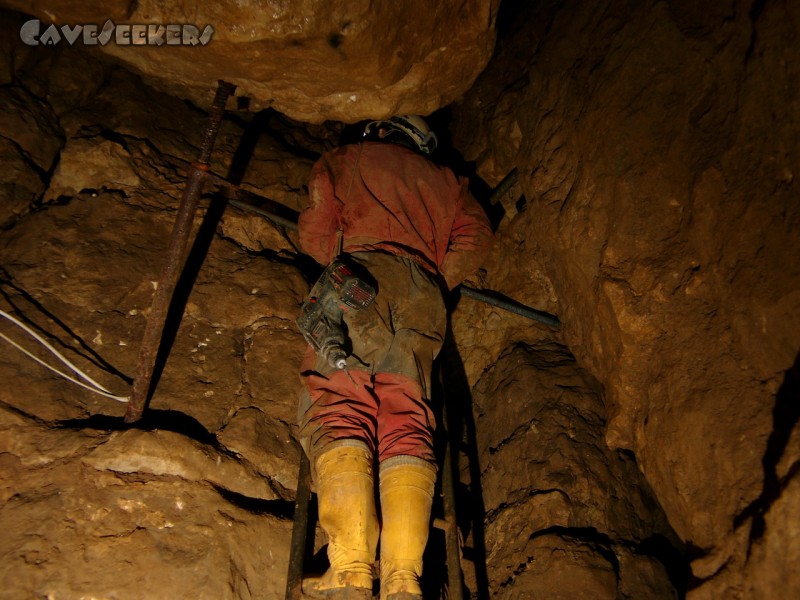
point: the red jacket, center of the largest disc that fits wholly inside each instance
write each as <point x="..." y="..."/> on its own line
<point x="386" y="197"/>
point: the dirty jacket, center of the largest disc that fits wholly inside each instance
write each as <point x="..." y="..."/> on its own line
<point x="388" y="198"/>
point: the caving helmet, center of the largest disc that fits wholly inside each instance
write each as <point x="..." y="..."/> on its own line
<point x="403" y="129"/>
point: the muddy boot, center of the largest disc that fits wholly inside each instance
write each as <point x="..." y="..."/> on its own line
<point x="406" y="488"/>
<point x="346" y="500"/>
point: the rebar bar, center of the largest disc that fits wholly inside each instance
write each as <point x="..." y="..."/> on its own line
<point x="176" y="253"/>
<point x="300" y="527"/>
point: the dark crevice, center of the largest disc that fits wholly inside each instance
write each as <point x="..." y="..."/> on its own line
<point x="152" y="420"/>
<point x="790" y="473"/>
<point x="88" y="132"/>
<point x="121" y="194"/>
<point x="25" y="415"/>
<point x="28" y="160"/>
<point x="108" y="134"/>
<point x="755" y="12"/>
<point x="161" y="420"/>
<point x="513" y="504"/>
<point x="43" y="172"/>
<point x="785" y="416"/>
<point x="596" y="541"/>
<point x="271" y="123"/>
<point x="657" y="547"/>
<point x="673" y="559"/>
<point x="282" y="509"/>
<point x="307" y="266"/>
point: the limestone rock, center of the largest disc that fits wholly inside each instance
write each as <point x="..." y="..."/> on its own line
<point x="655" y="214"/>
<point x="22" y="188"/>
<point x="563" y="569"/>
<point x="778" y="539"/>
<point x="117" y="180"/>
<point x="165" y="453"/>
<point x="93" y="164"/>
<point x="540" y="426"/>
<point x="34" y="446"/>
<point x="310" y="60"/>
<point x="273" y="352"/>
<point x="30" y="139"/>
<point x="71" y="531"/>
<point x="265" y="443"/>
<point x="658" y="185"/>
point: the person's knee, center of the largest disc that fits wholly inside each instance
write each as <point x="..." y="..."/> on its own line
<point x="416" y="441"/>
<point x="338" y="407"/>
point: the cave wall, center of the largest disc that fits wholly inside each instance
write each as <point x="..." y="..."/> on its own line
<point x="565" y="516"/>
<point x="196" y="500"/>
<point x="656" y="145"/>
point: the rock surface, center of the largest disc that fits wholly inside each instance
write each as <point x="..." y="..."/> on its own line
<point x="656" y="154"/>
<point x="28" y="154"/>
<point x="199" y="496"/>
<point x="563" y="512"/>
<point x="72" y="531"/>
<point x="312" y="60"/>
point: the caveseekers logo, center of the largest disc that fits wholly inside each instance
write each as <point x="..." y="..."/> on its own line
<point x="123" y="35"/>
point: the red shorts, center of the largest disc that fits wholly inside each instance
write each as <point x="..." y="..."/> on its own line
<point x="395" y="341"/>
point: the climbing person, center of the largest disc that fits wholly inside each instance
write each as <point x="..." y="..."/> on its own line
<point x="415" y="231"/>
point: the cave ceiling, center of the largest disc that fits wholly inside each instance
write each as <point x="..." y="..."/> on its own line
<point x="312" y="60"/>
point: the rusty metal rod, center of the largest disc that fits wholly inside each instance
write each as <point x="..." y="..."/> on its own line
<point x="504" y="186"/>
<point x="176" y="254"/>
<point x="500" y="301"/>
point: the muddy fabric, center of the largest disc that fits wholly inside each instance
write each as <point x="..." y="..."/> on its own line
<point x="394" y="344"/>
<point x="386" y="197"/>
<point x="415" y="227"/>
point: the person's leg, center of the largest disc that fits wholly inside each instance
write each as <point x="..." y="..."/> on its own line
<point x="397" y="340"/>
<point x="405" y="424"/>
<point x="405" y="421"/>
<point x="346" y="501"/>
<point x="406" y="493"/>
<point x="338" y="422"/>
<point x="407" y="480"/>
<point x="335" y="406"/>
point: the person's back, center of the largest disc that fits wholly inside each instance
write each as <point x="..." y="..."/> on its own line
<point x="387" y="197"/>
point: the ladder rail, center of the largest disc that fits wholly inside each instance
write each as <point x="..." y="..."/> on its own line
<point x="300" y="527"/>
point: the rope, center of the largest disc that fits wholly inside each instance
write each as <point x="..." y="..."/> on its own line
<point x="94" y="387"/>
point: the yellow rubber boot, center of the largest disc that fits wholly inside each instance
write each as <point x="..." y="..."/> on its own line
<point x="346" y="500"/>
<point x="406" y="489"/>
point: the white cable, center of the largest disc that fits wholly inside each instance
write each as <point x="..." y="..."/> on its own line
<point x="45" y="343"/>
<point x="98" y="389"/>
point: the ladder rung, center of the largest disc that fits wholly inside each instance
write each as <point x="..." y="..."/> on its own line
<point x="443" y="524"/>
